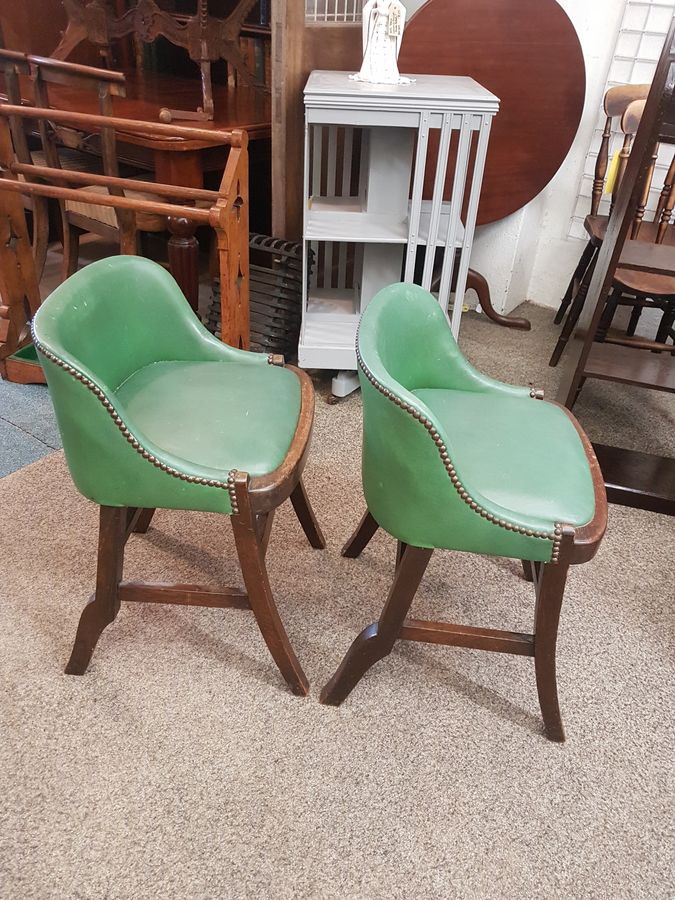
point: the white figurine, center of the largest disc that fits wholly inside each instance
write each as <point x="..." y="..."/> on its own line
<point x="383" y="23"/>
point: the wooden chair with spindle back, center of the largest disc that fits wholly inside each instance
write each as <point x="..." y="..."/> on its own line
<point x="638" y="290"/>
<point x="616" y="101"/>
<point x="632" y="290"/>
<point x="644" y="289"/>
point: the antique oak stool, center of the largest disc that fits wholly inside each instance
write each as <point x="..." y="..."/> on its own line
<point x="454" y="460"/>
<point x="156" y="412"/>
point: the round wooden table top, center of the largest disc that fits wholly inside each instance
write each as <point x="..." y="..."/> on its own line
<point x="528" y="54"/>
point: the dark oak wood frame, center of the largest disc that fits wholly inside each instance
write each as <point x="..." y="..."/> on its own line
<point x="227" y="215"/>
<point x="578" y="545"/>
<point x="256" y="500"/>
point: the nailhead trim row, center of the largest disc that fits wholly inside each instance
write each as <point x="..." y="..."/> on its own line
<point x="135" y="443"/>
<point x="536" y="393"/>
<point x="555" y="535"/>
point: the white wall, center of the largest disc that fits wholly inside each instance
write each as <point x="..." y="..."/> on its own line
<point x="528" y="256"/>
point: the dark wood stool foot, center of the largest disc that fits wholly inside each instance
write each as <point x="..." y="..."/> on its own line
<point x="305" y="513"/>
<point x="528" y="571"/>
<point x="376" y="641"/>
<point x="550" y="588"/>
<point x="103" y="607"/>
<point x="252" y="561"/>
<point x="361" y="537"/>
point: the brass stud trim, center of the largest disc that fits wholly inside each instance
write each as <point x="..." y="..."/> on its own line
<point x="555" y="536"/>
<point x="536" y="393"/>
<point x="131" y="439"/>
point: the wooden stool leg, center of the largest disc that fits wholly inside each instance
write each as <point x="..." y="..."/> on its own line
<point x="305" y="513"/>
<point x="252" y="561"/>
<point x="528" y="570"/>
<point x="361" y="537"/>
<point x="103" y="607"/>
<point x="579" y="272"/>
<point x="550" y="590"/>
<point x="143" y="521"/>
<point x="376" y="641"/>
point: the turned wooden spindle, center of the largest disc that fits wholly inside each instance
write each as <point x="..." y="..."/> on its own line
<point x="601" y="167"/>
<point x="624" y="153"/>
<point x="640" y="211"/>
<point x="184" y="258"/>
<point x="664" y="210"/>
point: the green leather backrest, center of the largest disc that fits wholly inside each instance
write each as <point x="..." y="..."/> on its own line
<point x="94" y="331"/>
<point x="405" y="331"/>
<point x="119" y="314"/>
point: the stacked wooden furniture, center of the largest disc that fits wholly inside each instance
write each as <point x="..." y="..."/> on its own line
<point x="227" y="214"/>
<point x="633" y="478"/>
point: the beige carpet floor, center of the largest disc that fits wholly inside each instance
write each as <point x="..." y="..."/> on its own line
<point x="180" y="766"/>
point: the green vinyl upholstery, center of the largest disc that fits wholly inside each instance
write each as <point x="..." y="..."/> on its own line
<point x="153" y="410"/>
<point x="452" y="458"/>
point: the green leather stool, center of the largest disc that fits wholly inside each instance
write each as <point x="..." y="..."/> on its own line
<point x="156" y="412"/>
<point x="455" y="460"/>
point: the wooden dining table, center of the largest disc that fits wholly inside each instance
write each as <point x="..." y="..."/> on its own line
<point x="181" y="162"/>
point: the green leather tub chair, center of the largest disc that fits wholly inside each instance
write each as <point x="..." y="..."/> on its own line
<point x="455" y="460"/>
<point x="156" y="412"/>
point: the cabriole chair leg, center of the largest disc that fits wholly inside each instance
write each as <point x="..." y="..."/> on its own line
<point x="377" y="640"/>
<point x="103" y="607"/>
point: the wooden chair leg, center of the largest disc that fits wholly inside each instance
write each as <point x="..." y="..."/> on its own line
<point x="264" y="525"/>
<point x="572" y="316"/>
<point x="400" y="550"/>
<point x="608" y="314"/>
<point x="251" y="559"/>
<point x="71" y="250"/>
<point x="575" y="281"/>
<point x="103" y="607"/>
<point x="376" y="641"/>
<point x="633" y="321"/>
<point x="305" y="513"/>
<point x="143" y="521"/>
<point x="361" y="537"/>
<point x="528" y="570"/>
<point x="550" y="588"/>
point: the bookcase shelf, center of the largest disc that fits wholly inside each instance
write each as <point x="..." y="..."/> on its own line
<point x="366" y="218"/>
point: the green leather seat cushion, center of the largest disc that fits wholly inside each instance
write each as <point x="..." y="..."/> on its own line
<point x="520" y="453"/>
<point x="219" y="415"/>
